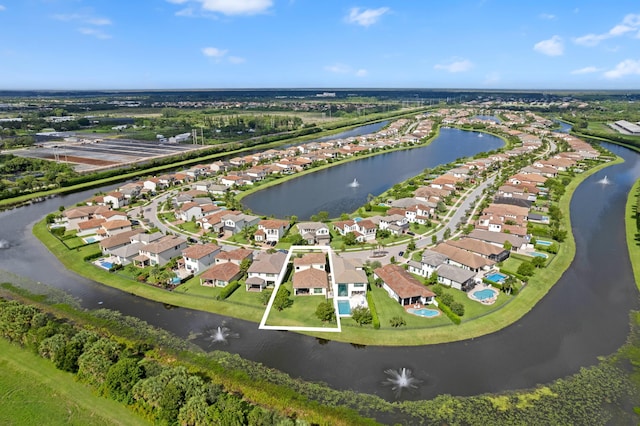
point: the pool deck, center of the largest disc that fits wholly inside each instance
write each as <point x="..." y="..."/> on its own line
<point x="480" y="287"/>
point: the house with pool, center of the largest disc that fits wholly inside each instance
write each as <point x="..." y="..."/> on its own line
<point x="350" y="281"/>
<point x="402" y="286"/>
<point x="310" y="275"/>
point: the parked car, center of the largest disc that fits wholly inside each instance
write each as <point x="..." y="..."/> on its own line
<point x="401" y="253"/>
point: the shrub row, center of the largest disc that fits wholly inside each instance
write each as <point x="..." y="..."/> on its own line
<point x="375" y="320"/>
<point x="449" y="313"/>
<point x="228" y="290"/>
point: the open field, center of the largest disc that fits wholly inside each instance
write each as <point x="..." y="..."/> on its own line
<point x="34" y="392"/>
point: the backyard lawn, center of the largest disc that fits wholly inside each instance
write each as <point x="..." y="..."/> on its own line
<point x="301" y="314"/>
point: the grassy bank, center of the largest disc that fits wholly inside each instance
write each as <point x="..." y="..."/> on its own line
<point x="633" y="234"/>
<point x="35" y="392"/>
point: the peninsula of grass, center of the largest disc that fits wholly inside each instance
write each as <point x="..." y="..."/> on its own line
<point x="35" y="392"/>
<point x="438" y="331"/>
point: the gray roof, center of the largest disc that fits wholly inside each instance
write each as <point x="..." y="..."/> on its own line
<point x="454" y="273"/>
<point x="497" y="237"/>
<point x="127" y="251"/>
<point x="268" y="263"/>
<point x="405" y="202"/>
<point x="433" y="258"/>
<point x="345" y="272"/>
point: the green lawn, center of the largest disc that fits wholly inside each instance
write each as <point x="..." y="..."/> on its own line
<point x="34" y="392"/>
<point x="301" y="314"/>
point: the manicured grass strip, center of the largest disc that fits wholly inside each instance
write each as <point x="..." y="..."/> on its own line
<point x="34" y="392"/>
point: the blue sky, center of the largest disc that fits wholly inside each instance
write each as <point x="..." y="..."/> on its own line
<point x="183" y="44"/>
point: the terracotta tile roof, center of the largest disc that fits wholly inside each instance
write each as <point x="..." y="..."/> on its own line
<point x="310" y="259"/>
<point x="91" y="223"/>
<point x="198" y="251"/>
<point x="310" y="278"/>
<point x="119" y="239"/>
<point x="115" y="224"/>
<point x="476" y="246"/>
<point x="237" y="254"/>
<point x="221" y="272"/>
<point x="463" y="257"/>
<point x="401" y="282"/>
<point x="268" y="263"/>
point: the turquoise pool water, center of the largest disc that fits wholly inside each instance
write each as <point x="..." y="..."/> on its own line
<point x="105" y="264"/>
<point x="90" y="240"/>
<point x="424" y="312"/>
<point x="538" y="254"/>
<point x="485" y="294"/>
<point x="496" y="277"/>
<point x="344" y="308"/>
<point x="543" y="243"/>
<point x="357" y="219"/>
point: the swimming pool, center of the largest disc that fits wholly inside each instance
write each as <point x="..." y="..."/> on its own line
<point x="424" y="312"/>
<point x="484" y="294"/>
<point x="357" y="219"/>
<point x="105" y="264"/>
<point x="89" y="240"/>
<point x="538" y="254"/>
<point x="543" y="243"/>
<point x="344" y="308"/>
<point x="496" y="277"/>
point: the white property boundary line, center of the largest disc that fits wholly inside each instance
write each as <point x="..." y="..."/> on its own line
<point x="329" y="252"/>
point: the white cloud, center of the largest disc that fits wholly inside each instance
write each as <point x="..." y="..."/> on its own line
<point x="214" y="52"/>
<point x="547" y="16"/>
<point x="99" y="21"/>
<point x="85" y="19"/>
<point x="362" y="73"/>
<point x="457" y="65"/>
<point x="626" y="67"/>
<point x="236" y="60"/>
<point x="94" y="32"/>
<point x="338" y="68"/>
<point x="2" y="8"/>
<point x="585" y="70"/>
<point x="226" y="7"/>
<point x="365" y="17"/>
<point x="630" y="24"/>
<point x="550" y="47"/>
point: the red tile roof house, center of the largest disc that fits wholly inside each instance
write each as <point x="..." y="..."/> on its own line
<point x="464" y="259"/>
<point x="264" y="270"/>
<point x="272" y="230"/>
<point x="220" y="275"/>
<point x="107" y="245"/>
<point x="234" y="256"/>
<point x="310" y="281"/>
<point x="402" y="286"/>
<point x="199" y="257"/>
<point x="75" y="215"/>
<point x="90" y="226"/>
<point x="113" y="227"/>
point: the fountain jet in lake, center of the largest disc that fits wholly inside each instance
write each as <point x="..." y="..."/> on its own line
<point x="4" y="244"/>
<point x="355" y="183"/>
<point x="400" y="380"/>
<point x="220" y="334"/>
<point x="604" y="181"/>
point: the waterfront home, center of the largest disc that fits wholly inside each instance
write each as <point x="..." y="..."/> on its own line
<point x="310" y="281"/>
<point x="91" y="226"/>
<point x="365" y="230"/>
<point x="454" y="277"/>
<point x="499" y="239"/>
<point x="314" y="233"/>
<point x="463" y="258"/>
<point x="397" y="224"/>
<point x="402" y="286"/>
<point x="271" y="230"/>
<point x="481" y="248"/>
<point x="107" y="245"/>
<point x="115" y="200"/>
<point x="161" y="251"/>
<point x="220" y="275"/>
<point x="235" y="221"/>
<point x="199" y="257"/>
<point x="349" y="277"/>
<point x="75" y="215"/>
<point x="264" y="270"/>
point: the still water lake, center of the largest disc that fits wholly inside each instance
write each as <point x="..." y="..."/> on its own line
<point x="329" y="189"/>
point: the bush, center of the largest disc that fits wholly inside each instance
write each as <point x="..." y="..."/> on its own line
<point x="361" y="315"/>
<point x="282" y="300"/>
<point x="447" y="311"/>
<point x="325" y="311"/>
<point x="228" y="290"/>
<point x="446" y="299"/>
<point x="397" y="322"/>
<point x="526" y="269"/>
<point x="91" y="257"/>
<point x="57" y="232"/>
<point x="457" y="308"/>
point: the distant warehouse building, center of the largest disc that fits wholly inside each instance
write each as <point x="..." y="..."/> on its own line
<point x="624" y="126"/>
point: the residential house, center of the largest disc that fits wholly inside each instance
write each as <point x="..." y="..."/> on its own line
<point x="161" y="251"/>
<point x="264" y="270"/>
<point x="115" y="200"/>
<point x="402" y="286"/>
<point x="234" y="256"/>
<point x="455" y="277"/>
<point x="314" y="233"/>
<point x="271" y="230"/>
<point x="349" y="277"/>
<point x="107" y="245"/>
<point x="310" y="261"/>
<point x="220" y="275"/>
<point x="429" y="262"/>
<point x="464" y="259"/>
<point x="235" y="222"/>
<point x="75" y="215"/>
<point x="481" y="248"/>
<point x="499" y="239"/>
<point x="199" y="257"/>
<point x="189" y="211"/>
<point x="310" y="281"/>
<point x="113" y="227"/>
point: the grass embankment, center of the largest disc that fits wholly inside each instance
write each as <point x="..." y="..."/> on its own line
<point x="433" y="332"/>
<point x="633" y="234"/>
<point x="35" y="392"/>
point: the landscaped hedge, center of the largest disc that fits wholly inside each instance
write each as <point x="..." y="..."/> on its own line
<point x="492" y="283"/>
<point x="375" y="320"/>
<point x="91" y="257"/>
<point x="449" y="313"/>
<point x="228" y="290"/>
<point x="382" y="209"/>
